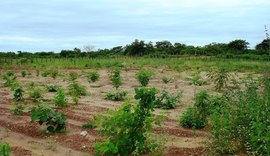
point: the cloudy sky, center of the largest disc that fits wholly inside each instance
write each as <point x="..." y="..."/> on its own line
<point x="44" y="25"/>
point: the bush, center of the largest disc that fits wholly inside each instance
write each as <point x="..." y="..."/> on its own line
<point x="35" y="94"/>
<point x="196" y="79"/>
<point x="5" y="149"/>
<point x="54" y="120"/>
<point x="76" y="88"/>
<point x="192" y="119"/>
<point x="10" y="73"/>
<point x="93" y="76"/>
<point x="52" y="88"/>
<point x="167" y="101"/>
<point x="243" y="123"/>
<point x="60" y="98"/>
<point x="10" y="82"/>
<point x="90" y="125"/>
<point x="144" y="76"/>
<point x="116" y="96"/>
<point x="17" y="109"/>
<point x="116" y="78"/>
<point x="18" y="95"/>
<point x="220" y="77"/>
<point x="166" y="79"/>
<point x="128" y="126"/>
<point x="24" y="73"/>
<point x="196" y="116"/>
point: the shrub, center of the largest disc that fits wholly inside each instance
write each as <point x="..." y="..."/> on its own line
<point x="192" y="119"/>
<point x="5" y="149"/>
<point x="196" y="79"/>
<point x="73" y="76"/>
<point x="10" y="82"/>
<point x="35" y="94"/>
<point x="60" y="98"/>
<point x="18" y="95"/>
<point x="10" y="73"/>
<point x="52" y="88"/>
<point x="196" y="116"/>
<point x="93" y="76"/>
<point x="17" y="109"/>
<point x="243" y="123"/>
<point x="116" y="78"/>
<point x="45" y="73"/>
<point x="116" y="96"/>
<point x="54" y="120"/>
<point x="76" y="88"/>
<point x="144" y="76"/>
<point x="128" y="126"/>
<point x="166" y="79"/>
<point x="167" y="101"/>
<point x="90" y="125"/>
<point x="24" y="73"/>
<point x="54" y="73"/>
<point x="220" y="78"/>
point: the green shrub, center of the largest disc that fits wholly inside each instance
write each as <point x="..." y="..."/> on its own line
<point x="144" y="76"/>
<point x="196" y="79"/>
<point x="126" y="128"/>
<point x="5" y="149"/>
<point x="54" y="120"/>
<point x="76" y="88"/>
<point x="52" y="88"/>
<point x="10" y="82"/>
<point x="93" y="76"/>
<point x="90" y="125"/>
<point x="196" y="116"/>
<point x="116" y="96"/>
<point x="45" y="73"/>
<point x="116" y="78"/>
<point x="24" y="73"/>
<point x="220" y="77"/>
<point x="35" y="94"/>
<point x="10" y="73"/>
<point x="17" y="109"/>
<point x="192" y="119"/>
<point x="54" y="73"/>
<point x="73" y="76"/>
<point x="60" y="99"/>
<point x="18" y="95"/>
<point x="166" y="79"/>
<point x="243" y="123"/>
<point x="167" y="101"/>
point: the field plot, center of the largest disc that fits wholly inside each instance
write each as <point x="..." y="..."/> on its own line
<point x="80" y="135"/>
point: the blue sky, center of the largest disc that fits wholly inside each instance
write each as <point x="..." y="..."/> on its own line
<point x="52" y="25"/>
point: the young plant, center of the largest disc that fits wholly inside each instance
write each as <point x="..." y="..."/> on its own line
<point x="10" y="73"/>
<point x="5" y="149"/>
<point x="196" y="116"/>
<point x="93" y="76"/>
<point x="166" y="79"/>
<point x="220" y="78"/>
<point x="116" y="96"/>
<point x="60" y="98"/>
<point x="167" y="101"/>
<point x="17" y="109"/>
<point x="43" y="113"/>
<point x="10" y="82"/>
<point x="52" y="88"/>
<point x="35" y="94"/>
<point x="144" y="76"/>
<point x="73" y="76"/>
<point x="54" y="73"/>
<point x="18" y="95"/>
<point x="90" y="125"/>
<point x="116" y="78"/>
<point x="75" y="91"/>
<point x="126" y="128"/>
<point x="24" y="73"/>
<point x="196" y="79"/>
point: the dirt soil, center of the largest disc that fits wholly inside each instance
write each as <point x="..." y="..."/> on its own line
<point x="30" y="139"/>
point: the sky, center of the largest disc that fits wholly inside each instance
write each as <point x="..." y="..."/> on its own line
<point x="53" y="25"/>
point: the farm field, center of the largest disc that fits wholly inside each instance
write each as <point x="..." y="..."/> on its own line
<point x="26" y="138"/>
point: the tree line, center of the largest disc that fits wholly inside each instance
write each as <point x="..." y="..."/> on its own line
<point x="160" y="49"/>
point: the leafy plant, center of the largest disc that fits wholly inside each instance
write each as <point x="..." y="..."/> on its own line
<point x="116" y="78"/>
<point x="52" y="88"/>
<point x="196" y="116"/>
<point x="17" y="109"/>
<point x="18" y="95"/>
<point x="144" y="76"/>
<point x="45" y="73"/>
<point x="90" y="125"/>
<point x="60" y="98"/>
<point x="126" y="128"/>
<point x="76" y="90"/>
<point x="196" y="79"/>
<point x="54" y="73"/>
<point x="167" y="101"/>
<point x="10" y="73"/>
<point x="24" y="73"/>
<point x="93" y="76"/>
<point x="43" y="113"/>
<point x="35" y="94"/>
<point x="220" y="78"/>
<point x="116" y="96"/>
<point x="73" y="76"/>
<point x="166" y="79"/>
<point x="10" y="82"/>
<point x="5" y="149"/>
